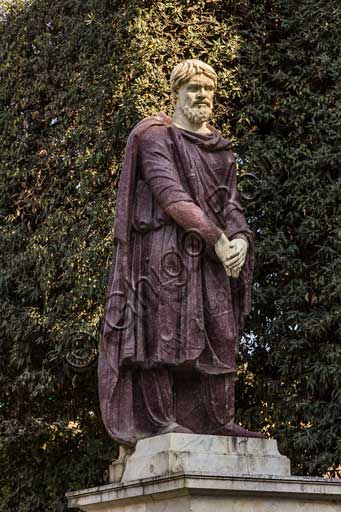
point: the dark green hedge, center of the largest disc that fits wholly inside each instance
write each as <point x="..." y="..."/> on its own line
<point x="75" y="76"/>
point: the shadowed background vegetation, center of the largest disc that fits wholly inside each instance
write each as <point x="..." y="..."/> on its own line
<point x="75" y="76"/>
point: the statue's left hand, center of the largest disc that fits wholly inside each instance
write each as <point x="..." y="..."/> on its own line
<point x="232" y="253"/>
<point x="235" y="258"/>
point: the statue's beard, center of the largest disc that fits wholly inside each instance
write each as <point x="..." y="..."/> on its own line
<point x="198" y="113"/>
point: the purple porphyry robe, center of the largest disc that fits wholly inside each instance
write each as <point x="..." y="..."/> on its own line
<point x="170" y="303"/>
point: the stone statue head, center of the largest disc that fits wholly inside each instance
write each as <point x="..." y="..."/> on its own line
<point x="193" y="84"/>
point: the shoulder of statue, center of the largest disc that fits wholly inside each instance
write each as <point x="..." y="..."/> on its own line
<point x="152" y="130"/>
<point x="160" y="120"/>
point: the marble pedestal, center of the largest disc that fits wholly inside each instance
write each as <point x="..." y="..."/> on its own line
<point x="209" y="455"/>
<point x="190" y="473"/>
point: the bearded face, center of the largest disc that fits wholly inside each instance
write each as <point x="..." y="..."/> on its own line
<point x="195" y="98"/>
<point x="197" y="114"/>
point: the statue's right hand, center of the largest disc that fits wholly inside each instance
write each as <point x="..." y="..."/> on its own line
<point x="222" y="247"/>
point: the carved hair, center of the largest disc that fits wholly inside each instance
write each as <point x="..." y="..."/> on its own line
<point x="185" y="70"/>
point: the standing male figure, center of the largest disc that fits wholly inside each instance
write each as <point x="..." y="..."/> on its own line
<point x="180" y="284"/>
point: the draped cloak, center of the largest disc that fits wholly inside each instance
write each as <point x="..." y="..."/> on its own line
<point x="169" y="301"/>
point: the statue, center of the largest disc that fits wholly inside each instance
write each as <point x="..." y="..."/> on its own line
<point x="180" y="284"/>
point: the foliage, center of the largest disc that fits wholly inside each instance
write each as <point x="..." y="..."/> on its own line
<point x="288" y="129"/>
<point x="75" y="77"/>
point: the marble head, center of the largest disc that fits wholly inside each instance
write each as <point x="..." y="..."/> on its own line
<point x="193" y="84"/>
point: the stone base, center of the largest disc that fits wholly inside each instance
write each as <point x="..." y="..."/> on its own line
<point x="193" y="473"/>
<point x="195" y="493"/>
<point x="200" y="454"/>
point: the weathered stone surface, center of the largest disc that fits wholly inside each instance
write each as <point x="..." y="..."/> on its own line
<point x="195" y="473"/>
<point x="207" y="455"/>
<point x="195" y="493"/>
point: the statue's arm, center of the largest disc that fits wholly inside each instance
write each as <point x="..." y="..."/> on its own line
<point x="158" y="169"/>
<point x="190" y="217"/>
<point x="236" y="225"/>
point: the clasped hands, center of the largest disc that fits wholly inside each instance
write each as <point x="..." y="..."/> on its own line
<point x="232" y="254"/>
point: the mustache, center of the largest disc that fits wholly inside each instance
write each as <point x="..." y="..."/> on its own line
<point x="202" y="102"/>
